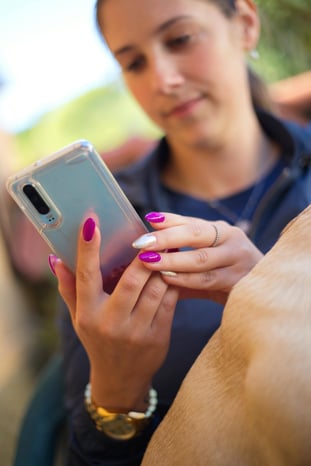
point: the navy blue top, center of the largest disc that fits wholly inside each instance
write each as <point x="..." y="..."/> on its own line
<point x="232" y="208"/>
<point x="286" y="192"/>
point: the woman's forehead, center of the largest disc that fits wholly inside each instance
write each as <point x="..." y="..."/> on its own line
<point x="123" y="20"/>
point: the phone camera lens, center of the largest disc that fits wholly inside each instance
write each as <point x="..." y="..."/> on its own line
<point x="35" y="198"/>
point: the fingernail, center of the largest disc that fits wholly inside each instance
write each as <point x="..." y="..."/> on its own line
<point x="52" y="259"/>
<point x="144" y="241"/>
<point x="168" y="273"/>
<point x="89" y="229"/>
<point x="149" y="256"/>
<point x="173" y="250"/>
<point x="155" y="217"/>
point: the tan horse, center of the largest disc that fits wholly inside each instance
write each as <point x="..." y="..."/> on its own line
<point x="247" y="399"/>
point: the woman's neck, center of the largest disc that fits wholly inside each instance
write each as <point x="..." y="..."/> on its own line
<point x="217" y="171"/>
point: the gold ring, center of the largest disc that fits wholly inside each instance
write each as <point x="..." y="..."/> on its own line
<point x="217" y="236"/>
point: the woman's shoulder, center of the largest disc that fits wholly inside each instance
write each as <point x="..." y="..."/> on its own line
<point x="293" y="137"/>
<point x="301" y="134"/>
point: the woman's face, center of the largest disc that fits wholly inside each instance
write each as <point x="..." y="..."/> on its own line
<point x="183" y="61"/>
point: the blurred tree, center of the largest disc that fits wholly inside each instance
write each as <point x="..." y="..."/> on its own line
<point x="285" y="45"/>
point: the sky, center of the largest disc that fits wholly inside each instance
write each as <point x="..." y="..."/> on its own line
<point x="50" y="53"/>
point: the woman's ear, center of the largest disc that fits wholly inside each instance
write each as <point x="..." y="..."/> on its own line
<point x="249" y="23"/>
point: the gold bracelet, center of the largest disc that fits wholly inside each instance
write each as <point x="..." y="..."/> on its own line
<point x="120" y="426"/>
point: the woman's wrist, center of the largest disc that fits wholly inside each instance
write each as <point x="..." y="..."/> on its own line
<point x="120" y="425"/>
<point x="120" y="398"/>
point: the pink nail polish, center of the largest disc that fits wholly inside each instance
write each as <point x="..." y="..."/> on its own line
<point x="52" y="261"/>
<point x="149" y="256"/>
<point x="89" y="229"/>
<point x="155" y="217"/>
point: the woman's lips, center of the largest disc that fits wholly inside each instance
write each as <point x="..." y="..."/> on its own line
<point x="183" y="109"/>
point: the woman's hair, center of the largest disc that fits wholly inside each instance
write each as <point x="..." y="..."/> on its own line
<point x="259" y="91"/>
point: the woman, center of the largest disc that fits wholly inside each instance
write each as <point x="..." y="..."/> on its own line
<point x="224" y="166"/>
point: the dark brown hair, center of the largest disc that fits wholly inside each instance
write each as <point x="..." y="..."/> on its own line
<point x="259" y="91"/>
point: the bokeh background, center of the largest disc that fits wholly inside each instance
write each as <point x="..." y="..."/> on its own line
<point x="58" y="83"/>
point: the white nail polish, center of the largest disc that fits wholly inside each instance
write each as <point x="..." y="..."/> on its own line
<point x="168" y="273"/>
<point x="144" y="241"/>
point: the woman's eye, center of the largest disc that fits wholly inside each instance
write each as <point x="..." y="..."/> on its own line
<point x="135" y="65"/>
<point x="179" y="41"/>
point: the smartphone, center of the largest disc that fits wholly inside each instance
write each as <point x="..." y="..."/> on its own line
<point x="58" y="192"/>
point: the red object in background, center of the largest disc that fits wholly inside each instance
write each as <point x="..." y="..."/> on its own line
<point x="293" y="97"/>
<point x="110" y="281"/>
<point x="126" y="154"/>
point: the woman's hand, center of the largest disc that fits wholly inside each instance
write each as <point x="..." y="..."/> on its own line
<point x="219" y="255"/>
<point x="127" y="334"/>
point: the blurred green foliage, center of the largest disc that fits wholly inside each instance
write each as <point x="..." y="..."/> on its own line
<point x="108" y="116"/>
<point x="285" y="44"/>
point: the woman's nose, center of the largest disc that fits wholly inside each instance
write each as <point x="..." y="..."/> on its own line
<point x="166" y="77"/>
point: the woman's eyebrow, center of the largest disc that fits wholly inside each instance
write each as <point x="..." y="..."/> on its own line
<point x="159" y="29"/>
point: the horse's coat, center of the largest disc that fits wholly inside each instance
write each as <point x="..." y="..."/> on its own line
<point x="247" y="399"/>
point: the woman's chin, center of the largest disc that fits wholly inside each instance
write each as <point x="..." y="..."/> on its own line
<point x="199" y="139"/>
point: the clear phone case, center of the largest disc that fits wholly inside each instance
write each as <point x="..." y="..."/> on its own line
<point x="58" y="192"/>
